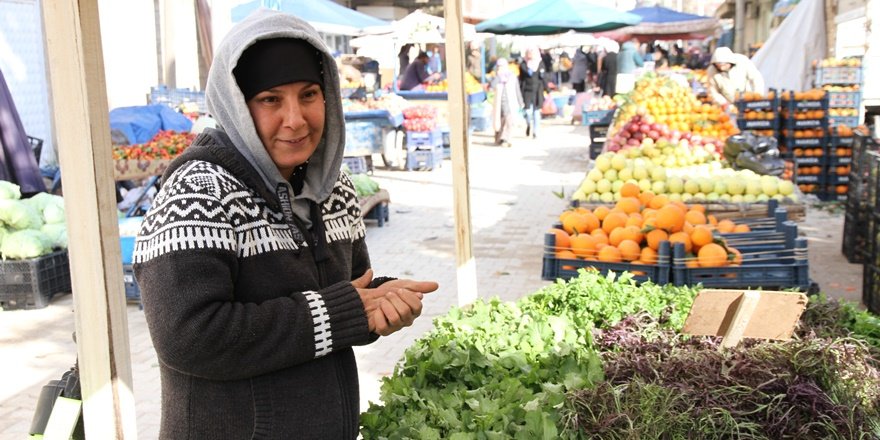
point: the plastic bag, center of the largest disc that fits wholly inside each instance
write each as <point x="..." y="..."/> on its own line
<point x="757" y="153"/>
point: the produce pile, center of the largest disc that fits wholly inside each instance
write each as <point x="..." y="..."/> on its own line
<point x="633" y="229"/>
<point x="471" y="85"/>
<point x="364" y="185"/>
<point x="420" y="118"/>
<point x="167" y="144"/>
<point x="673" y="104"/>
<point x="600" y="356"/>
<point x="394" y="104"/>
<point x="30" y="227"/>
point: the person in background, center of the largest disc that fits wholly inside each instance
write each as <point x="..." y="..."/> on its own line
<point x="417" y="73"/>
<point x="592" y="66"/>
<point x="533" y="84"/>
<point x="579" y="70"/>
<point x="508" y="102"/>
<point x="252" y="262"/>
<point x="676" y="57"/>
<point x="435" y="65"/>
<point x="730" y="74"/>
<point x="473" y="59"/>
<point x="628" y="60"/>
<point x="403" y="57"/>
<point x="610" y="71"/>
<point x="660" y="58"/>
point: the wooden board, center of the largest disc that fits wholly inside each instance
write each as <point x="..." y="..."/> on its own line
<point x="774" y="316"/>
<point x="132" y="169"/>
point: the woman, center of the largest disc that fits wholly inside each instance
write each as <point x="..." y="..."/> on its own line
<point x="532" y="83"/>
<point x="252" y="264"/>
<point x="507" y="104"/>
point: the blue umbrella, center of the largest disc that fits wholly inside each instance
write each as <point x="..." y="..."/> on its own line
<point x="325" y="15"/>
<point x="546" y="17"/>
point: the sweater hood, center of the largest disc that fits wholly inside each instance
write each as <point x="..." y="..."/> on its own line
<point x="226" y="103"/>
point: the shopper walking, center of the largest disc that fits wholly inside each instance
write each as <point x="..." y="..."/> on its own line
<point x="508" y="102"/>
<point x="628" y="59"/>
<point x="252" y="264"/>
<point x="533" y="83"/>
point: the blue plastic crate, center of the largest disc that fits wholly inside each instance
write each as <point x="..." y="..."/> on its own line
<point x="481" y="123"/>
<point x="849" y="121"/>
<point x="764" y="104"/>
<point x="794" y="124"/>
<point x="128" y="230"/>
<point x="792" y="142"/>
<point x="758" y="124"/>
<point x="838" y="75"/>
<point x="555" y="268"/>
<point x="775" y="269"/>
<point x="424" y="139"/>
<point x="779" y="239"/>
<point x="363" y="137"/>
<point x="596" y="117"/>
<point x="424" y="159"/>
<point x="357" y="165"/>
<point x="845" y="99"/>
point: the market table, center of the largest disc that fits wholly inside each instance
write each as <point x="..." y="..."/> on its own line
<point x="369" y="132"/>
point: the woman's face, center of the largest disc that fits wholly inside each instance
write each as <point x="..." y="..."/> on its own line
<point x="290" y="121"/>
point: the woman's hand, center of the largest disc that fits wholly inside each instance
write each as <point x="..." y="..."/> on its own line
<point x="393" y="305"/>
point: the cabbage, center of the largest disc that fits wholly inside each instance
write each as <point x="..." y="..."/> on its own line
<point x="54" y="210"/>
<point x="18" y="215"/>
<point x="39" y="200"/>
<point x="56" y="233"/>
<point x="3" y="234"/>
<point x="25" y="244"/>
<point x="9" y="191"/>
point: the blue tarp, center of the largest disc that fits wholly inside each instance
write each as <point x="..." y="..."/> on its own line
<point x="325" y="15"/>
<point x="141" y="123"/>
<point x="659" y="14"/>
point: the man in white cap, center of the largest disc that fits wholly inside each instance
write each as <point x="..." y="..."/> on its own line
<point x="731" y="73"/>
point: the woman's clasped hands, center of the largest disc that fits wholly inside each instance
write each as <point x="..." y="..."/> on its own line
<point x="394" y="304"/>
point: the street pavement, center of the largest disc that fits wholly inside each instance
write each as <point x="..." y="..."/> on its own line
<point x="512" y="203"/>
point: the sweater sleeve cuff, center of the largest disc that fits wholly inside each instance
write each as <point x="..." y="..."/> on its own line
<point x="338" y="317"/>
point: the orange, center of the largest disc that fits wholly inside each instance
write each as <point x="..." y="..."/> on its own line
<point x="670" y="218"/>
<point x="655" y="237"/>
<point x="575" y="222"/>
<point x="633" y="233"/>
<point x="658" y="201"/>
<point x="648" y="256"/>
<point x="726" y="226"/>
<point x="737" y="257"/>
<point x="635" y="220"/>
<point x="646" y="197"/>
<point x="610" y="254"/>
<point x="742" y="228"/>
<point x="701" y="236"/>
<point x="629" y="205"/>
<point x="692" y="263"/>
<point x="591" y="220"/>
<point x="600" y="212"/>
<point x="583" y="245"/>
<point x="613" y="220"/>
<point x="687" y="228"/>
<point x="616" y="236"/>
<point x="712" y="255"/>
<point x="695" y="217"/>
<point x="681" y="237"/>
<point x="599" y="236"/>
<point x="563" y="240"/>
<point x="566" y="255"/>
<point x="629" y="250"/>
<point x="629" y="189"/>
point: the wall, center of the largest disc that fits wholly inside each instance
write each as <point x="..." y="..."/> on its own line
<point x="22" y="60"/>
<point x="128" y="37"/>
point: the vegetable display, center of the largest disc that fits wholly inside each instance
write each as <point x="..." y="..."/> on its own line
<point x="167" y="144"/>
<point x="31" y="227"/>
<point x="600" y="357"/>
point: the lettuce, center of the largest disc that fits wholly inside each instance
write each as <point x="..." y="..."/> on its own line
<point x="18" y="215"/>
<point x="56" y="233"/>
<point x="54" y="211"/>
<point x="25" y="244"/>
<point x="9" y="191"/>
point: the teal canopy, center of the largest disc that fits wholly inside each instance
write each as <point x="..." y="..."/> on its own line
<point x="547" y="17"/>
<point x="325" y="15"/>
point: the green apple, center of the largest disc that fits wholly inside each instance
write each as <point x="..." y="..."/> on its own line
<point x="762" y="198"/>
<point x="658" y="174"/>
<point x="720" y="188"/>
<point x="706" y="185"/>
<point x="618" y="162"/>
<point x="725" y="197"/>
<point x="640" y="173"/>
<point x="753" y="188"/>
<point x="735" y="187"/>
<point x="699" y="196"/>
<point x="606" y="197"/>
<point x="750" y="198"/>
<point x="603" y="186"/>
<point x="675" y="185"/>
<point x="712" y="196"/>
<point x="603" y="163"/>
<point x="769" y="187"/>
<point x="786" y="188"/>
<point x="691" y="187"/>
<point x="687" y="197"/>
<point x="595" y="175"/>
<point x="594" y="197"/>
<point x="611" y="175"/>
<point x="674" y="197"/>
<point x="645" y="185"/>
<point x="616" y="185"/>
<point x="588" y="186"/>
<point x="579" y="196"/>
<point x="658" y="187"/>
<point x="625" y="174"/>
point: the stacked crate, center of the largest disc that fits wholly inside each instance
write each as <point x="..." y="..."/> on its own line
<point x="842" y="81"/>
<point x="870" y="169"/>
<point x="805" y="138"/>
<point x="859" y="204"/>
<point x="759" y="114"/>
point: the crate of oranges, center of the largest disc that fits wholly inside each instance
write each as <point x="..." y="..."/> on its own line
<point x="713" y="267"/>
<point x="634" y="235"/>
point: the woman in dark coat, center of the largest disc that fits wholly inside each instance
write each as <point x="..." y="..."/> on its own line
<point x="532" y="83"/>
<point x="609" y="72"/>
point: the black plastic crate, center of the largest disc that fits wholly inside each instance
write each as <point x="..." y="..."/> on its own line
<point x="424" y="159"/>
<point x="30" y="284"/>
<point x="871" y="288"/>
<point x="872" y="240"/>
<point x="792" y="104"/>
<point x="758" y="124"/>
<point x="814" y="142"/>
<point x="871" y="177"/>
<point x="556" y="268"/>
<point x="862" y="144"/>
<point x="763" y="104"/>
<point x="855" y="236"/>
<point x="132" y="290"/>
<point x="794" y="124"/>
<point x="776" y="269"/>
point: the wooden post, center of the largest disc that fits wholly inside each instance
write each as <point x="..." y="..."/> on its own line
<point x="80" y="105"/>
<point x="459" y="118"/>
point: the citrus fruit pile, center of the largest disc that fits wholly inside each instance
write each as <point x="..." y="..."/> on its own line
<point x="633" y="229"/>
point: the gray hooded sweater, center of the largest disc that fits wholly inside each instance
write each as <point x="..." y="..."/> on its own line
<point x="246" y="290"/>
